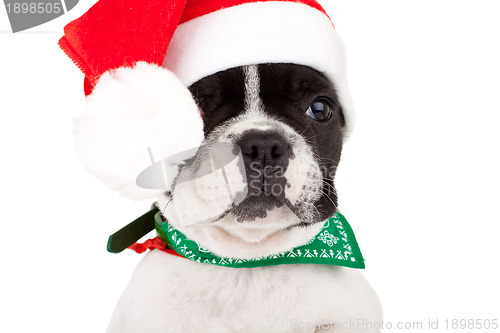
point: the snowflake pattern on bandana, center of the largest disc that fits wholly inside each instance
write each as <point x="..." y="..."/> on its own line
<point x="327" y="238"/>
<point x="335" y="244"/>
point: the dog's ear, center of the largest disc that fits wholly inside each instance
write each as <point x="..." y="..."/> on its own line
<point x="132" y="113"/>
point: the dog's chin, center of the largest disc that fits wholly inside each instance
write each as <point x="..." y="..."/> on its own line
<point x="255" y="207"/>
<point x="280" y="229"/>
<point x="257" y="229"/>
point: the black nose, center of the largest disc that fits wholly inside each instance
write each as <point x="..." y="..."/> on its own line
<point x="265" y="148"/>
<point x="266" y="155"/>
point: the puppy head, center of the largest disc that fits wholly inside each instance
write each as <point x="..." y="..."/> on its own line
<point x="282" y="126"/>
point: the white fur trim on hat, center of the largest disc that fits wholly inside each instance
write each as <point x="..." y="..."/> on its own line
<point x="129" y="111"/>
<point x="257" y="33"/>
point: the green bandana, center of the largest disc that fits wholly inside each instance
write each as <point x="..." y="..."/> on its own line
<point x="335" y="244"/>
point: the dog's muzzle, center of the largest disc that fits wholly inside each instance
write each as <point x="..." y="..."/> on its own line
<point x="266" y="155"/>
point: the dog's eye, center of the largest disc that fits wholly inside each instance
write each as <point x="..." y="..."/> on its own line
<point x="320" y="110"/>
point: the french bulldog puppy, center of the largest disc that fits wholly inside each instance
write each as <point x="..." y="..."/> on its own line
<point x="287" y="123"/>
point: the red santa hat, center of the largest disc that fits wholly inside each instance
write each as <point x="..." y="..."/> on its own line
<point x="139" y="57"/>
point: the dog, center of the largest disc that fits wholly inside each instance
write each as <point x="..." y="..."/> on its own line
<point x="287" y="122"/>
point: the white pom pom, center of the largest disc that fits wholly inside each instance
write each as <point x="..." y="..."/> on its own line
<point x="129" y="111"/>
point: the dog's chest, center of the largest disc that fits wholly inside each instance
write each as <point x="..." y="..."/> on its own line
<point x="171" y="294"/>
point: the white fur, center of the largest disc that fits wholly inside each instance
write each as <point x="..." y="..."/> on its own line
<point x="203" y="199"/>
<point x="258" y="33"/>
<point x="253" y="102"/>
<point x="129" y="111"/>
<point x="169" y="294"/>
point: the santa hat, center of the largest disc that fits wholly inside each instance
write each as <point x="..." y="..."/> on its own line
<point x="139" y="57"/>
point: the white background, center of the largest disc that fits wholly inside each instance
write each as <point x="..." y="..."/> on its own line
<point x="419" y="179"/>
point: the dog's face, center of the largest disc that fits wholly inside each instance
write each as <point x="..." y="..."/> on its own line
<point x="285" y="122"/>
